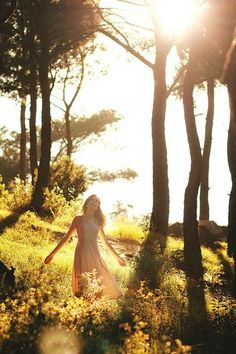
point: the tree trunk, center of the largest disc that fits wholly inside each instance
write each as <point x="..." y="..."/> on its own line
<point x="69" y="146"/>
<point x="192" y="251"/>
<point x="23" y="140"/>
<point x="204" y="204"/>
<point x="160" y="211"/>
<point x="232" y="167"/>
<point x="33" y="108"/>
<point x="44" y="165"/>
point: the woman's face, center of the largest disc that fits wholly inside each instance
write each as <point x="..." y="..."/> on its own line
<point x="93" y="203"/>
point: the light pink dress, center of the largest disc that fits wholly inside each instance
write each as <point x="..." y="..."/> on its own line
<point x="87" y="259"/>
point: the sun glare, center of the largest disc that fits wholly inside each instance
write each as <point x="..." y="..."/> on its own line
<point x="175" y="16"/>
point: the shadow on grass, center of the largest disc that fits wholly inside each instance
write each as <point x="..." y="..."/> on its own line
<point x="229" y="270"/>
<point x="194" y="324"/>
<point x="12" y="219"/>
<point x="150" y="261"/>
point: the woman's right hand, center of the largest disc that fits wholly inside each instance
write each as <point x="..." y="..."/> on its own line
<point x="48" y="259"/>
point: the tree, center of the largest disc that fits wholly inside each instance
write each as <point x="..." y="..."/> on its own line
<point x="192" y="252"/>
<point x="68" y="177"/>
<point x="62" y="26"/>
<point x="206" y="47"/>
<point x="229" y="77"/>
<point x="13" y="75"/>
<point x="77" y="66"/>
<point x="204" y="203"/>
<point x="108" y="176"/>
<point x="218" y="23"/>
<point x="22" y="163"/>
<point x="161" y="45"/>
<point x="85" y="128"/>
<point x="10" y="154"/>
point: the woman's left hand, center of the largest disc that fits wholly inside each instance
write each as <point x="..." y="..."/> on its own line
<point x="121" y="262"/>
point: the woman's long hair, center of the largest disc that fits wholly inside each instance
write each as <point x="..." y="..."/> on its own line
<point x="99" y="216"/>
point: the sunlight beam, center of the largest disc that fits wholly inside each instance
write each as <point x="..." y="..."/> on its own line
<point x="175" y="16"/>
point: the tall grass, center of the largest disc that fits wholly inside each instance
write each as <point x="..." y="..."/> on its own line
<point x="146" y="320"/>
<point x="125" y="229"/>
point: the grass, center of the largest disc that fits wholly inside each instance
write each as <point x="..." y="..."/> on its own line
<point x="124" y="229"/>
<point x="158" y="319"/>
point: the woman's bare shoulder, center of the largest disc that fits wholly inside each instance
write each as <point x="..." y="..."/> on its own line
<point x="77" y="219"/>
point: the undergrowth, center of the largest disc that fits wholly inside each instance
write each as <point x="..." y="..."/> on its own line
<point x="162" y="310"/>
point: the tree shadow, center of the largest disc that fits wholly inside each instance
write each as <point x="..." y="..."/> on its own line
<point x="149" y="261"/>
<point x="229" y="270"/>
<point x="151" y="268"/>
<point x="12" y="219"/>
<point x="196" y="323"/>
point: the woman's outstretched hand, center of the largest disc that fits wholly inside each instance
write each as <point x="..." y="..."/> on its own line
<point x="48" y="259"/>
<point x="121" y="262"/>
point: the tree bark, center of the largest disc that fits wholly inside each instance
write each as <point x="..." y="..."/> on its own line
<point x="232" y="167"/>
<point x="33" y="134"/>
<point x="33" y="81"/>
<point x="192" y="251"/>
<point x="160" y="211"/>
<point x="22" y="166"/>
<point x="69" y="145"/>
<point x="44" y="165"/>
<point x="204" y="203"/>
<point x="33" y="106"/>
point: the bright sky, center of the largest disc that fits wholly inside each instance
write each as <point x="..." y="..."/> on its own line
<point x="128" y="88"/>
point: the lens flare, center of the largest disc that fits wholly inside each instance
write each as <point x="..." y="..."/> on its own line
<point x="58" y="341"/>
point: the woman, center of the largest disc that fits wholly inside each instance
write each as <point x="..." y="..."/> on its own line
<point x="87" y="257"/>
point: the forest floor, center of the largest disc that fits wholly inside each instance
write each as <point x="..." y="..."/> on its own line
<point x="163" y="309"/>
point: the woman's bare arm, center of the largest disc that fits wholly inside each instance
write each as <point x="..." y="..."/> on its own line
<point x="62" y="242"/>
<point x="110" y="249"/>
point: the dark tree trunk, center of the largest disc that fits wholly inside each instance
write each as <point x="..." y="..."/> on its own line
<point x="33" y="108"/>
<point x="69" y="146"/>
<point x="22" y="140"/>
<point x="160" y="211"/>
<point x="33" y="135"/>
<point x="192" y="251"/>
<point x="204" y="204"/>
<point x="229" y="77"/>
<point x="232" y="167"/>
<point x="44" y="165"/>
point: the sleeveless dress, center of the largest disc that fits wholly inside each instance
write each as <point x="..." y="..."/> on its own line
<point x="87" y="259"/>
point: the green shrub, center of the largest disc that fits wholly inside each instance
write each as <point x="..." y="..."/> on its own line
<point x="68" y="177"/>
<point x="54" y="201"/>
<point x="4" y="194"/>
<point x="19" y="194"/>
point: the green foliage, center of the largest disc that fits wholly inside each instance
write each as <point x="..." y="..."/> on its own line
<point x="3" y="193"/>
<point x="10" y="154"/>
<point x="17" y="195"/>
<point x="144" y="222"/>
<point x="54" y="201"/>
<point x="145" y="321"/>
<point x="68" y="177"/>
<point x="86" y="127"/>
<point x="108" y="176"/>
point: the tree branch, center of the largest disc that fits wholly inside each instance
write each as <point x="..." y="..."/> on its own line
<point x="127" y="47"/>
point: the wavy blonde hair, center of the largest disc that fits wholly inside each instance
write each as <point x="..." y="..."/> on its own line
<point x="99" y="216"/>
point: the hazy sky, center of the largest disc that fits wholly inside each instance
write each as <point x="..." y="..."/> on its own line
<point x="128" y="88"/>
